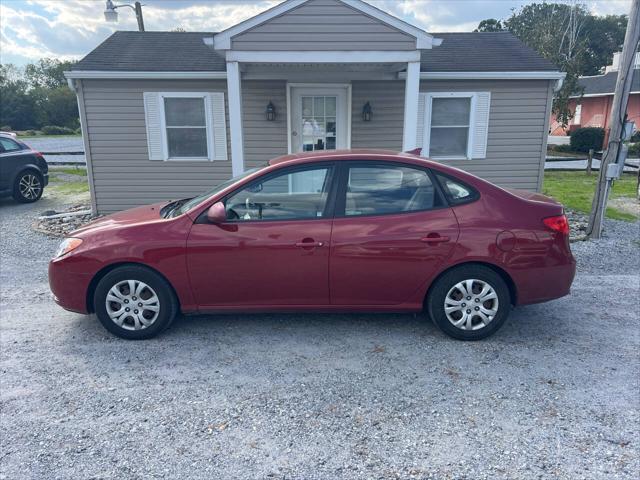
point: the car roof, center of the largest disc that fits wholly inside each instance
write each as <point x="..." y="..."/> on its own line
<point x="353" y="154"/>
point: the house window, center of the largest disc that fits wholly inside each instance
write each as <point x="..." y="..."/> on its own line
<point x="453" y="125"/>
<point x="577" y="116"/>
<point x="450" y="122"/>
<point x="186" y="127"/>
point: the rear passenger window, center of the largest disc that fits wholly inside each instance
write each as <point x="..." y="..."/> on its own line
<point x="456" y="192"/>
<point x="9" y="145"/>
<point x="378" y="190"/>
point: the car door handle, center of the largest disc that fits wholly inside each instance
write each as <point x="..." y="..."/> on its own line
<point x="434" y="238"/>
<point x="309" y="244"/>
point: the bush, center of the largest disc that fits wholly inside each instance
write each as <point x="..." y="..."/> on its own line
<point x="561" y="148"/>
<point x="78" y="131"/>
<point x="635" y="138"/>
<point x="584" y="139"/>
<point x="56" y="130"/>
<point x="634" y="150"/>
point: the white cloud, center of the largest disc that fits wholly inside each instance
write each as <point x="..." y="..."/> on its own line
<point x="31" y="29"/>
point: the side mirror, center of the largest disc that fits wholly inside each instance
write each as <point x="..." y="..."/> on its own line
<point x="217" y="213"/>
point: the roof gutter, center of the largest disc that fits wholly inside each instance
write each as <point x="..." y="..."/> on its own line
<point x="529" y="75"/>
<point x="132" y="75"/>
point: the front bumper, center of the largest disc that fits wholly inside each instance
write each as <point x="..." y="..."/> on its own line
<point x="69" y="288"/>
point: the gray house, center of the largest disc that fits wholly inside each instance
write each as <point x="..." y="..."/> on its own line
<point x="170" y="114"/>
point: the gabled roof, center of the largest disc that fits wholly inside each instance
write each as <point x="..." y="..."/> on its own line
<point x="600" y="85"/>
<point x="483" y="52"/>
<point x="186" y="52"/>
<point x="222" y="41"/>
<point x="154" y="52"/>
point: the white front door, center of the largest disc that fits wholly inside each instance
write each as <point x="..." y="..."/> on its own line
<point x="319" y="118"/>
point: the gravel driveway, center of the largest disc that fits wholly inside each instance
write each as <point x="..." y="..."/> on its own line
<point x="555" y="394"/>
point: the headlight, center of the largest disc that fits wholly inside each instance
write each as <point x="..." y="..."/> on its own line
<point x="67" y="245"/>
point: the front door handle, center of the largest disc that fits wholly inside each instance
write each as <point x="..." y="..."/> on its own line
<point x="434" y="238"/>
<point x="309" y="244"/>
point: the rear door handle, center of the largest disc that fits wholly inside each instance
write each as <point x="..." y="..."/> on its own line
<point x="431" y="238"/>
<point x="309" y="244"/>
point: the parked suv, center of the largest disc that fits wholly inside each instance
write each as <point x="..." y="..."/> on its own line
<point x="23" y="171"/>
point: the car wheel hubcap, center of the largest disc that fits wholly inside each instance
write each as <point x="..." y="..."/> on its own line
<point x="471" y="304"/>
<point x="30" y="186"/>
<point x="132" y="305"/>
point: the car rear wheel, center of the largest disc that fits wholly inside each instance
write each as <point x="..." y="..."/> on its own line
<point x="28" y="186"/>
<point x="469" y="302"/>
<point x="134" y="302"/>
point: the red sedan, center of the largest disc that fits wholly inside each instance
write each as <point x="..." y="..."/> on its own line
<point x="347" y="231"/>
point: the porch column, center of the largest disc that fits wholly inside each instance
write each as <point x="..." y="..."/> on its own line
<point x="234" y="91"/>
<point x="411" y="97"/>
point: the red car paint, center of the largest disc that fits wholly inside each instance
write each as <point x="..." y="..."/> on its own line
<point x="363" y="263"/>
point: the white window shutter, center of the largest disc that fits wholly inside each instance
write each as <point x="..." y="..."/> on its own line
<point x="153" y="122"/>
<point x="480" y="125"/>
<point x="219" y="126"/>
<point x="422" y="99"/>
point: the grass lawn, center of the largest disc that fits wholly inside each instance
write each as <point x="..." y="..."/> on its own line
<point x="68" y="180"/>
<point x="575" y="191"/>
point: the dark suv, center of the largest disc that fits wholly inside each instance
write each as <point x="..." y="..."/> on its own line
<point x="23" y="171"/>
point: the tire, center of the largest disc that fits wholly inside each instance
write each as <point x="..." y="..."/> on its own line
<point x="488" y="310"/>
<point x="154" y="308"/>
<point x="28" y="186"/>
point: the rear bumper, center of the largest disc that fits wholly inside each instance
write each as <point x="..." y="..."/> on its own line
<point x="546" y="283"/>
<point x="69" y="288"/>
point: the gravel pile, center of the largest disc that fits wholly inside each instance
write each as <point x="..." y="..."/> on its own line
<point x="52" y="223"/>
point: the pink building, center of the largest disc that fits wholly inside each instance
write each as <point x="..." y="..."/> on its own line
<point x="594" y="107"/>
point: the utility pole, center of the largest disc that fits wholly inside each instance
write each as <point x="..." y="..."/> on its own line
<point x="615" y="137"/>
<point x="138" y="9"/>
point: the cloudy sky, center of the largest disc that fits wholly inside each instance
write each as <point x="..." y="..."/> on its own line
<point x="68" y="29"/>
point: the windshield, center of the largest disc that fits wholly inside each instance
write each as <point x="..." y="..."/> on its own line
<point x="190" y="203"/>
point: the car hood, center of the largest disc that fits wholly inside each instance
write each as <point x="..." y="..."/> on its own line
<point x="133" y="216"/>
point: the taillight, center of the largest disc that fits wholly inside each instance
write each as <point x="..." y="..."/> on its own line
<point x="558" y="224"/>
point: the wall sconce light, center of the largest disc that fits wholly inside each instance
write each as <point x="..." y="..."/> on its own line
<point x="270" y="112"/>
<point x="367" y="113"/>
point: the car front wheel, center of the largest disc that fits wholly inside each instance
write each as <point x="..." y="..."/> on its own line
<point x="134" y="302"/>
<point x="469" y="302"/>
<point x="28" y="186"/>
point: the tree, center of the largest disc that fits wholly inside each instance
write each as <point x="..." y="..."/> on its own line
<point x="47" y="73"/>
<point x="604" y="35"/>
<point x="17" y="107"/>
<point x="490" y="25"/>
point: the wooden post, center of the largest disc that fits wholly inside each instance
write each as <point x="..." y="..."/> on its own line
<point x="620" y="101"/>
<point x="589" y="161"/>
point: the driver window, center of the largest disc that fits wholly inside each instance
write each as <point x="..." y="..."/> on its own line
<point x="296" y="195"/>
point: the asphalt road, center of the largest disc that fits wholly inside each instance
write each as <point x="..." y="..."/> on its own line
<point x="555" y="394"/>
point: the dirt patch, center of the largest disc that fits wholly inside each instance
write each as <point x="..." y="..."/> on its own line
<point x="626" y="205"/>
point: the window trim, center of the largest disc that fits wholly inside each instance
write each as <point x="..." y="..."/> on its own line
<point x="343" y="179"/>
<point x="208" y="116"/>
<point x="329" y="207"/>
<point x="427" y="123"/>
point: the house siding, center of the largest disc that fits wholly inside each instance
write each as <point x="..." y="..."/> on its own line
<point x="323" y="25"/>
<point x="387" y="104"/>
<point x="114" y="125"/>
<point x="517" y="137"/>
<point x="263" y="140"/>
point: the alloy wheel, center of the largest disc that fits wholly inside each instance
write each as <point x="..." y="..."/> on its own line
<point x="471" y="304"/>
<point x="132" y="305"/>
<point x="30" y="186"/>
